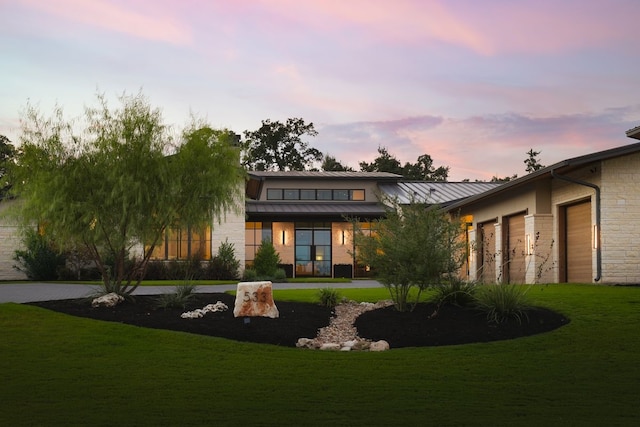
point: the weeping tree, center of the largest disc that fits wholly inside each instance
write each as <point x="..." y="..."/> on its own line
<point x="115" y="180"/>
<point x="414" y="247"/>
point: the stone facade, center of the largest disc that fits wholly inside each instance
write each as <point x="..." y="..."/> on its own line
<point x="620" y="225"/>
<point x="10" y="241"/>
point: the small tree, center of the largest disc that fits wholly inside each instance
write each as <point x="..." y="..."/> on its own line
<point x="117" y="186"/>
<point x="267" y="259"/>
<point x="415" y="246"/>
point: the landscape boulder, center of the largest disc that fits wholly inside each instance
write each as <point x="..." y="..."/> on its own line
<point x="255" y="299"/>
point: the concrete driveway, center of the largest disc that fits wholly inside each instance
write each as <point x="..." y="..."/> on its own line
<point x="31" y="292"/>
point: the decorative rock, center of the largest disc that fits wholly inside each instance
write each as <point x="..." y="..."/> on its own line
<point x="381" y="345"/>
<point x="255" y="299"/>
<point x="108" y="300"/>
<point x="305" y="343"/>
<point x="330" y="346"/>
<point x="200" y="312"/>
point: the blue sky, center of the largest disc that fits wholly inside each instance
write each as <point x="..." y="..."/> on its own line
<point x="473" y="84"/>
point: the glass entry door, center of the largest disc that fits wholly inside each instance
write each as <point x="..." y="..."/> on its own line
<point x="313" y="249"/>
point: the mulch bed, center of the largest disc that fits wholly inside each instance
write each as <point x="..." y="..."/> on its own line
<point x="452" y="325"/>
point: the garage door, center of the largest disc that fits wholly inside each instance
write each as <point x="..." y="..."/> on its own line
<point x="487" y="252"/>
<point x="515" y="250"/>
<point x="578" y="243"/>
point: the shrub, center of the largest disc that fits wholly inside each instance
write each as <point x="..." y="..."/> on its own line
<point x="329" y="297"/>
<point x="267" y="259"/>
<point x="455" y="292"/>
<point x="279" y="276"/>
<point x="40" y="260"/>
<point x="250" y="275"/>
<point x="503" y="302"/>
<point x="224" y="266"/>
<point x="178" y="298"/>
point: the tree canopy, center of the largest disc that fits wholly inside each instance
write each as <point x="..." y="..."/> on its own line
<point x="118" y="184"/>
<point x="329" y="163"/>
<point x="279" y="146"/>
<point x="422" y="170"/>
<point x="7" y="153"/>
<point x="532" y="162"/>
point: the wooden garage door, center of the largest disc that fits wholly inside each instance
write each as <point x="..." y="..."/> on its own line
<point x="578" y="243"/>
<point x="487" y="252"/>
<point x="515" y="250"/>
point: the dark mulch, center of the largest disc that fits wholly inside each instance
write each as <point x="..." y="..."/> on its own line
<point x="452" y="325"/>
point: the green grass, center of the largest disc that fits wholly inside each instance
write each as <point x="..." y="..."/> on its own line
<point x="60" y="370"/>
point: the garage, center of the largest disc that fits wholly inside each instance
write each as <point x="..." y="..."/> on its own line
<point x="487" y="252"/>
<point x="578" y="248"/>
<point x="515" y="251"/>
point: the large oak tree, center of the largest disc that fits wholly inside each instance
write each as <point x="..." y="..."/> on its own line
<point x="279" y="146"/>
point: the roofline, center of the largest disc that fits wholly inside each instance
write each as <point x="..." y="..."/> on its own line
<point x="325" y="175"/>
<point x="563" y="165"/>
<point x="634" y="133"/>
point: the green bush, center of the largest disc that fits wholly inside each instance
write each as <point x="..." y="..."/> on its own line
<point x="224" y="266"/>
<point x="503" y="302"/>
<point x="178" y="298"/>
<point x="267" y="259"/>
<point x="40" y="260"/>
<point x="250" y="275"/>
<point x="329" y="297"/>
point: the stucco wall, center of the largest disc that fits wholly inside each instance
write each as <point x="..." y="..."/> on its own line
<point x="620" y="223"/>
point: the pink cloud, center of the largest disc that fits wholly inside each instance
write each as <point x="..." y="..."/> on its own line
<point x="151" y="22"/>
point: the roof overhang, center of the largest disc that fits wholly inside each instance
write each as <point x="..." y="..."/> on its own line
<point x="634" y="133"/>
<point x="301" y="211"/>
<point x="546" y="173"/>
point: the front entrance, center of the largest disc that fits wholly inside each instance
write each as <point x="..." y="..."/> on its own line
<point x="313" y="249"/>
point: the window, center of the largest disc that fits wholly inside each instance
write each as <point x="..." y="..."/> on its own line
<point x="184" y="244"/>
<point x="307" y="194"/>
<point x="324" y="195"/>
<point x="357" y="195"/>
<point x="291" y="194"/>
<point x="274" y="193"/>
<point x="340" y="194"/>
<point x="254" y="234"/>
<point x="314" y="194"/>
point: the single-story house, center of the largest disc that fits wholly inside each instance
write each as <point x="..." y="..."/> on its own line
<point x="574" y="221"/>
<point x="308" y="215"/>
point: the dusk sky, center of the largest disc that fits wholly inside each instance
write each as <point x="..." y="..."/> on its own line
<point x="475" y="84"/>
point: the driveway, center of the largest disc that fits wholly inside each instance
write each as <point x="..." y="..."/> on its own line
<point x="31" y="292"/>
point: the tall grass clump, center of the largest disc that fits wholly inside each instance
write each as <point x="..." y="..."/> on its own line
<point x="503" y="302"/>
<point x="329" y="297"/>
<point x="455" y="292"/>
<point x="178" y="298"/>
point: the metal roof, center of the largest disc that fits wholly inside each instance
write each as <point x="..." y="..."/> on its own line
<point x="440" y="193"/>
<point x="376" y="176"/>
<point x="546" y="173"/>
<point x="311" y="209"/>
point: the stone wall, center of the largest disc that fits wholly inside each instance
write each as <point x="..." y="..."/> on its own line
<point x="620" y="223"/>
<point x="10" y="241"/>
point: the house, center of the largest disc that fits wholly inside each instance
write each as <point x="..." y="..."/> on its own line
<point x="574" y="221"/>
<point x="308" y="215"/>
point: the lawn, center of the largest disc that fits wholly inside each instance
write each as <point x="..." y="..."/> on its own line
<point x="61" y="370"/>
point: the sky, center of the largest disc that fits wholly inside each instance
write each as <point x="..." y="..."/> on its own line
<point x="474" y="84"/>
